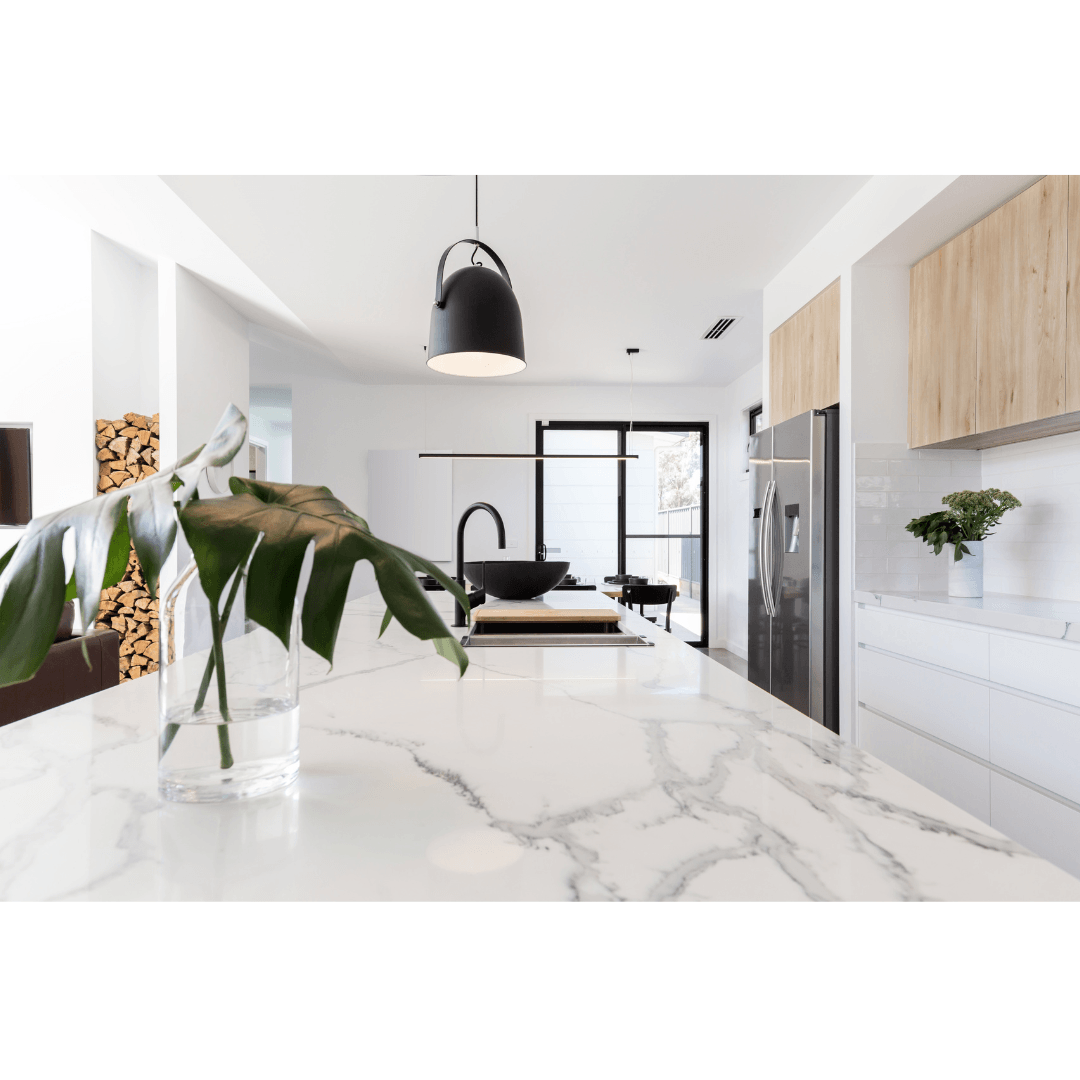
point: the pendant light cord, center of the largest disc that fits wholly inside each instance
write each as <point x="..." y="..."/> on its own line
<point x="630" y="356"/>
<point x="476" y="195"/>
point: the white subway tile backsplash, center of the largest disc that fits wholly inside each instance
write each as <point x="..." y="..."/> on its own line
<point x="871" y="515"/>
<point x="951" y="455"/>
<point x="1034" y="552"/>
<point x="913" y="482"/>
<point x="872" y="566"/>
<point x="1036" y="549"/>
<point x="905" y="566"/>
<point x="914" y="500"/>
<point x="933" y="467"/>
<point x="906" y="549"/>
<point x="903" y="466"/>
<point x="966" y="468"/>
<point x="871" y="532"/>
<point x="883" y="450"/>
<point x="886" y="483"/>
<point x="871" y="466"/>
<point x="887" y="582"/>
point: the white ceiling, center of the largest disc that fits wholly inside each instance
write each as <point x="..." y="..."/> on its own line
<point x="598" y="263"/>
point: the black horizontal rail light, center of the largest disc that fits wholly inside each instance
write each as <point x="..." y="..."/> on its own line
<point x="476" y="321"/>
<point x="539" y="457"/>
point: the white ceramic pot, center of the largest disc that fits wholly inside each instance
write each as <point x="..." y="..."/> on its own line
<point x="966" y="576"/>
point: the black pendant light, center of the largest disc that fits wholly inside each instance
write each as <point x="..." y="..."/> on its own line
<point x="476" y="321"/>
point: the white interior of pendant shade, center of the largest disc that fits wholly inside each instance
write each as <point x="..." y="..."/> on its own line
<point x="476" y="365"/>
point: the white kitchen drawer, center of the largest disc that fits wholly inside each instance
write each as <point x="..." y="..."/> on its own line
<point x="891" y="743"/>
<point x="1040" y="823"/>
<point x="1042" y="668"/>
<point x="955" y="647"/>
<point x="1036" y="741"/>
<point x="952" y="776"/>
<point x="950" y="708"/>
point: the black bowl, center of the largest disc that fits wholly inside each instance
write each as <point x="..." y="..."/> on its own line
<point x="516" y="580"/>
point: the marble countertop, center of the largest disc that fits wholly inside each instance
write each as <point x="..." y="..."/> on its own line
<point x="608" y="773"/>
<point x="1025" y="614"/>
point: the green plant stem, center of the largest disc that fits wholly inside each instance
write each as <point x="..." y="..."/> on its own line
<point x="171" y="730"/>
<point x="167" y="739"/>
<point x="223" y="703"/>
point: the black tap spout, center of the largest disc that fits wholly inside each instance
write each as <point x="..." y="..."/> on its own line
<point x="459" y="613"/>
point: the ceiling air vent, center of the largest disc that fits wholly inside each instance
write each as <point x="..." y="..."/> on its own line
<point x="720" y="327"/>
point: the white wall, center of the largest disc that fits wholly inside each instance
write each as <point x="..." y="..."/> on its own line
<point x="270" y="422"/>
<point x="211" y="365"/>
<point x="741" y="395"/>
<point x="202" y="368"/>
<point x="45" y="358"/>
<point x="879" y="353"/>
<point x="125" y="331"/>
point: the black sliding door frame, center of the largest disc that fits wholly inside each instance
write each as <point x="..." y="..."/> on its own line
<point x="623" y="427"/>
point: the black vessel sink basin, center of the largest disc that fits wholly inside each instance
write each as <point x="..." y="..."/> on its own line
<point x="517" y="580"/>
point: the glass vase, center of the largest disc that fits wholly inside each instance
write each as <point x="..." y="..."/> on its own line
<point x="224" y="738"/>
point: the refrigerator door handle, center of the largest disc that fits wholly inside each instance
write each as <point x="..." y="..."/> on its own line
<point x="776" y="557"/>
<point x="765" y="549"/>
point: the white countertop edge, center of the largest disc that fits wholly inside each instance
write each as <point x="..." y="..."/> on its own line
<point x="1022" y="614"/>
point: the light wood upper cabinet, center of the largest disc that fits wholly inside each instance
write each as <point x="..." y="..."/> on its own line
<point x="1072" y="302"/>
<point x="1022" y="251"/>
<point x="825" y="331"/>
<point x="783" y="382"/>
<point x="1014" y="372"/>
<point x="804" y="358"/>
<point x="942" y="371"/>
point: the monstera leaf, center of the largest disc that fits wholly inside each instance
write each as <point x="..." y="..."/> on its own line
<point x="32" y="579"/>
<point x="289" y="517"/>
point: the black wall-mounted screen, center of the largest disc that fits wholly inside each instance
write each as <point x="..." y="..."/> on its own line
<point x="15" y="501"/>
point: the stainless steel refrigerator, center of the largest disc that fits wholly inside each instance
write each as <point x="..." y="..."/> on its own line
<point x="793" y="598"/>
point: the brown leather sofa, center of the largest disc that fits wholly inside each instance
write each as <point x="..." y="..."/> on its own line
<point x="64" y="676"/>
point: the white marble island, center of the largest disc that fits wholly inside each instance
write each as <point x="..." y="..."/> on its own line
<point x="609" y="773"/>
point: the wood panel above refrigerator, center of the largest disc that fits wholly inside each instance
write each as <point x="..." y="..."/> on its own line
<point x="804" y="358"/>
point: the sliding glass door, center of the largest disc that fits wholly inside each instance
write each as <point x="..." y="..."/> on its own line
<point x="646" y="517"/>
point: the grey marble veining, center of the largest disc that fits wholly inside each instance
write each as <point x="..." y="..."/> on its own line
<point x="558" y="773"/>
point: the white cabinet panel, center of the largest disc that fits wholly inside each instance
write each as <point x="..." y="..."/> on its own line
<point x="952" y="709"/>
<point x="950" y="775"/>
<point x="891" y="743"/>
<point x="1044" y="669"/>
<point x="1037" y="742"/>
<point x="1038" y="822"/>
<point x="954" y="647"/>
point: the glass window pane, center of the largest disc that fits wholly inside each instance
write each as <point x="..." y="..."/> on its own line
<point x="666" y="478"/>
<point x="581" y="503"/>
<point x="663" y="495"/>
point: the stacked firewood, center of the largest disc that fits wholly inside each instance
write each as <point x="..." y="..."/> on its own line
<point x="127" y="451"/>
